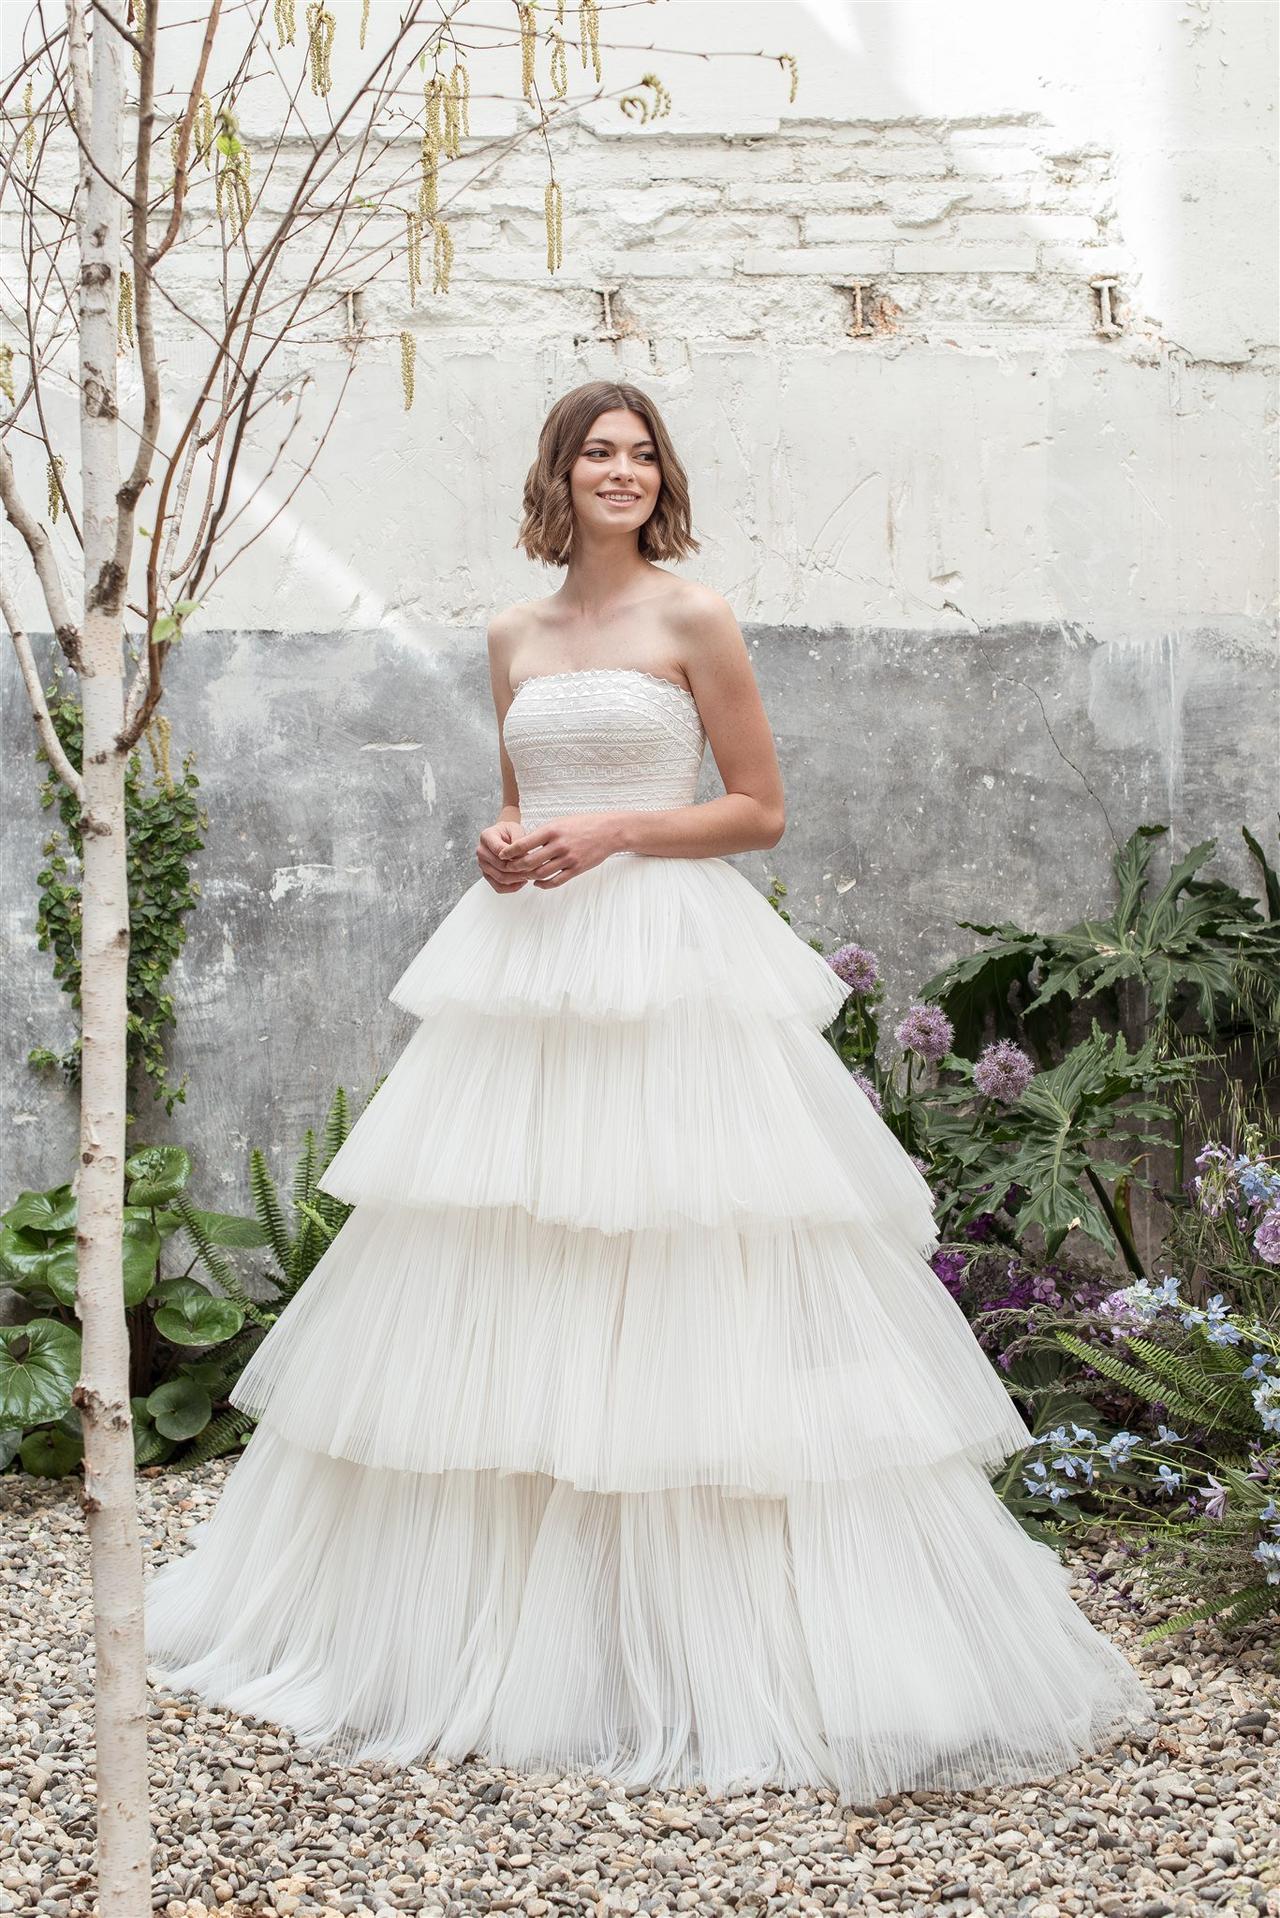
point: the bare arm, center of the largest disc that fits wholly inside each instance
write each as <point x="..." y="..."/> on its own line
<point x="751" y="814"/>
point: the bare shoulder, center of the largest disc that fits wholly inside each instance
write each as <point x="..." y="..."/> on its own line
<point x="506" y="631"/>
<point x="708" y="632"/>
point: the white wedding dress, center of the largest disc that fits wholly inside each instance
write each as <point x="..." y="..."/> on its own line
<point x="624" y="1427"/>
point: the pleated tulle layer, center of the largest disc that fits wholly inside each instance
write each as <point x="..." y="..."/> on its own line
<point x="756" y="1360"/>
<point x="893" y="1634"/>
<point x="623" y="940"/>
<point x="698" y="1114"/>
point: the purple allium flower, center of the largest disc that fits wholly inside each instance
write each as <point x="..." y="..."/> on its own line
<point x="1266" y="1240"/>
<point x="950" y="1267"/>
<point x="1003" y="1072"/>
<point x="859" y="968"/>
<point x="868" y="1086"/>
<point x="926" y="1031"/>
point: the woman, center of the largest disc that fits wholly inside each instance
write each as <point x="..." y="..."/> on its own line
<point x="625" y="1426"/>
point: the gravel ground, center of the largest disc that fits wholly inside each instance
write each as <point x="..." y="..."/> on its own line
<point x="1180" y="1821"/>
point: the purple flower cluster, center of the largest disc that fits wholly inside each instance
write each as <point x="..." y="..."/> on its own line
<point x="950" y="1265"/>
<point x="1003" y="1072"/>
<point x="868" y="1086"/>
<point x="926" y="1031"/>
<point x="859" y="968"/>
<point x="1266" y="1237"/>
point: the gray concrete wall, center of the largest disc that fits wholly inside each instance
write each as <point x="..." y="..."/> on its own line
<point x="929" y="778"/>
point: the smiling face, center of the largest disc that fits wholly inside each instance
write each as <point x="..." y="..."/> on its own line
<point x="615" y="480"/>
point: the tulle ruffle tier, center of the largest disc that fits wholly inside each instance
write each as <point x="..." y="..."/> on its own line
<point x="753" y="1360"/>
<point x="632" y="936"/>
<point x="896" y="1633"/>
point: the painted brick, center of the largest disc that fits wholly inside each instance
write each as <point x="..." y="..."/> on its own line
<point x="941" y="256"/>
<point x="834" y="228"/>
<point x="819" y="261"/>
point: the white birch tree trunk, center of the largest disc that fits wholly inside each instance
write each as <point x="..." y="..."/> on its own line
<point x="102" y="1391"/>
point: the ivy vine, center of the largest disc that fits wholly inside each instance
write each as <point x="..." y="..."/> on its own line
<point x="163" y="826"/>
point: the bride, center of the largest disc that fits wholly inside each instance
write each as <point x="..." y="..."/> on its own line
<point x="625" y="1427"/>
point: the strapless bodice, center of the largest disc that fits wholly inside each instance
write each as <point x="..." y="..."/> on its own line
<point x="603" y="739"/>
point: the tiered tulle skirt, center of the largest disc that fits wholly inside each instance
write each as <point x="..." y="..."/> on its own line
<point x="624" y="1427"/>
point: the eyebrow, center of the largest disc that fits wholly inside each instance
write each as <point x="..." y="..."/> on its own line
<point x="599" y="439"/>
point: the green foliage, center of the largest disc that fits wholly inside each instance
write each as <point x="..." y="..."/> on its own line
<point x="189" y="1339"/>
<point x="163" y="823"/>
<point x="1198" y="947"/>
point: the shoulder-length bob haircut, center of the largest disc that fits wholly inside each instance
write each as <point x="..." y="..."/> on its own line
<point x="546" y="529"/>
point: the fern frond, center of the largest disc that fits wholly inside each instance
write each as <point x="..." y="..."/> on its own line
<point x="1142" y="1384"/>
<point x="1235" y="1608"/>
<point x="266" y="1203"/>
<point x="151" y="1448"/>
<point x="220" y="1436"/>
<point x="212" y="1259"/>
<point x="1223" y="1396"/>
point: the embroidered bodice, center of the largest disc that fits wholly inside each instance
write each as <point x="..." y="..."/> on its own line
<point x="603" y="739"/>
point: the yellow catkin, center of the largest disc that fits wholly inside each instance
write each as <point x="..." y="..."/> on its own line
<point x="321" y="27"/>
<point x="29" y="137"/>
<point x="159" y="732"/>
<point x="442" y="257"/>
<point x="286" y="22"/>
<point x="233" y="191"/>
<point x="559" y="13"/>
<point x="124" y="313"/>
<point x="458" y="108"/>
<point x="554" y="213"/>
<point x="559" y="68"/>
<point x="364" y="22"/>
<point x="139" y="28"/>
<point x="413" y="251"/>
<point x="408" y="358"/>
<point x="202" y="128"/>
<point x="528" y="47"/>
<point x="434" y="101"/>
<point x="789" y="61"/>
<point x="6" y="372"/>
<point x="589" y="34"/>
<point x="53" y="473"/>
<point x="639" y="103"/>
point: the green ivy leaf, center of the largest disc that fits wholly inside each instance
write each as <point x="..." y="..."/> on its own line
<point x="39" y="1365"/>
<point x="51" y="1452"/>
<point x="51" y="1211"/>
<point x="188" y="1315"/>
<point x="228" y="1228"/>
<point x="180" y="1408"/>
<point x="156" y="1174"/>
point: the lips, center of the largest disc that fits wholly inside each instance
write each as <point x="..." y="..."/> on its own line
<point x="619" y="499"/>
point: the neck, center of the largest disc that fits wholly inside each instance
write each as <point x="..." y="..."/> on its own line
<point x="601" y="572"/>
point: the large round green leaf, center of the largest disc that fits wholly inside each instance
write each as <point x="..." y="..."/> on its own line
<point x="51" y="1211"/>
<point x="186" y="1314"/>
<point x="165" y="1223"/>
<point x="39" y="1364"/>
<point x="228" y="1228"/>
<point x="51" y="1452"/>
<point x="10" y="1445"/>
<point x="156" y="1174"/>
<point x="140" y="1250"/>
<point x="25" y="1255"/>
<point x="180" y="1408"/>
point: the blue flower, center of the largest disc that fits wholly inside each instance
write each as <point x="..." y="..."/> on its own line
<point x="1257" y="1366"/>
<point x="1268" y="1553"/>
<point x="1119" y="1449"/>
<point x="1167" y="1436"/>
<point x="1169" y="1479"/>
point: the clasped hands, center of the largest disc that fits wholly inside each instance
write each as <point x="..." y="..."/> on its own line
<point x="509" y="857"/>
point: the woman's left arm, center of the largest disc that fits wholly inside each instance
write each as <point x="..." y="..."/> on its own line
<point x="750" y="815"/>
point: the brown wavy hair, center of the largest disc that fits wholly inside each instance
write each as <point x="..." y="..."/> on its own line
<point x="546" y="528"/>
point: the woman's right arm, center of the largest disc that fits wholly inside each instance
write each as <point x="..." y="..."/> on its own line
<point x="506" y="826"/>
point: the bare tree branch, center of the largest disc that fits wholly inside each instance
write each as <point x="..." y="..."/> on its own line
<point x="40" y="547"/>
<point x="35" y="693"/>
